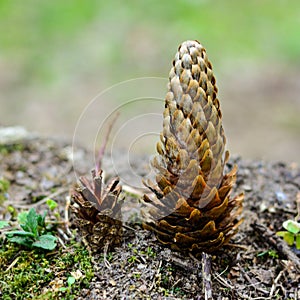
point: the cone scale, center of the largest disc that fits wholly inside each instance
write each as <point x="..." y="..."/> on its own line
<point x="191" y="209"/>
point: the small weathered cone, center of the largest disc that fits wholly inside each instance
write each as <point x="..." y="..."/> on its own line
<point x="98" y="212"/>
<point x="192" y="210"/>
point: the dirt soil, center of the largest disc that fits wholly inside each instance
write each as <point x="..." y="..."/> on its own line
<point x="256" y="265"/>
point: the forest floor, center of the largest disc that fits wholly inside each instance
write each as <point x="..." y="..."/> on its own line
<point x="256" y="265"/>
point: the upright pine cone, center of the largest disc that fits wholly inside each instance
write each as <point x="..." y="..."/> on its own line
<point x="98" y="211"/>
<point x="192" y="210"/>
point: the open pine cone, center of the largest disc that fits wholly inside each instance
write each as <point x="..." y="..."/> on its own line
<point x="98" y="212"/>
<point x="192" y="210"/>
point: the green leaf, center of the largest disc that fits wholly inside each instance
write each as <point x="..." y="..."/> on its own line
<point x="280" y="233"/>
<point x="262" y="253"/>
<point x="22" y="217"/>
<point x="41" y="219"/>
<point x="51" y="204"/>
<point x="291" y="226"/>
<point x="25" y="227"/>
<point x="46" y="241"/>
<point x="288" y="237"/>
<point x="32" y="221"/>
<point x="19" y="233"/>
<point x="298" y="241"/>
<point x="3" y="224"/>
<point x="71" y="280"/>
<point x="21" y="240"/>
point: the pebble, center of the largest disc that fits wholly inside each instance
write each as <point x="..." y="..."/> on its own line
<point x="247" y="188"/>
<point x="143" y="288"/>
<point x="263" y="207"/>
<point x="280" y="196"/>
<point x="141" y="266"/>
<point x="112" y="282"/>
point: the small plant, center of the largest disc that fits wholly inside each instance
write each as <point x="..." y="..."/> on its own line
<point x="34" y="233"/>
<point x="292" y="233"/>
<point x="137" y="275"/>
<point x="132" y="259"/>
<point x="150" y="252"/>
<point x="51" y="204"/>
<point x="71" y="280"/>
<point x="270" y="253"/>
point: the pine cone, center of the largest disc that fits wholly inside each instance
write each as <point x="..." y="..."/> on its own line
<point x="98" y="212"/>
<point x="192" y="210"/>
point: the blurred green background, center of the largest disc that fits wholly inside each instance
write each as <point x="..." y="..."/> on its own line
<point x="55" y="56"/>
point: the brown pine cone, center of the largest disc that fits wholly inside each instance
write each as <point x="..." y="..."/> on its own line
<point x="192" y="210"/>
<point x="98" y="212"/>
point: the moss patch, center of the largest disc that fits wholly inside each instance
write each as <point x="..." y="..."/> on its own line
<point x="40" y="275"/>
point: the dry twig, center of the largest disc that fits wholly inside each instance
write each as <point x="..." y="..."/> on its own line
<point x="67" y="221"/>
<point x="155" y="276"/>
<point x="206" y="273"/>
<point x="106" y="262"/>
<point x="275" y="283"/>
<point x="102" y="148"/>
<point x="224" y="282"/>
